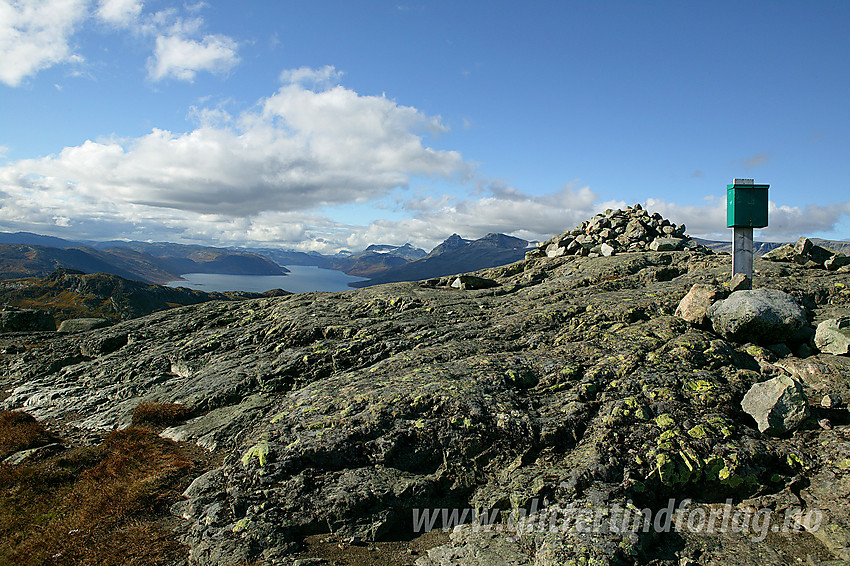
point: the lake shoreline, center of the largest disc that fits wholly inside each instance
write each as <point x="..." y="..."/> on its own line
<point x="299" y="279"/>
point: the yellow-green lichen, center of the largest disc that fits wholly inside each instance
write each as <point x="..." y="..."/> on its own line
<point x="665" y="420"/>
<point x="699" y="431"/>
<point x="260" y="451"/>
<point x="241" y="525"/>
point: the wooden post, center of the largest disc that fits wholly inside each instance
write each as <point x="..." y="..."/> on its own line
<point x="742" y="251"/>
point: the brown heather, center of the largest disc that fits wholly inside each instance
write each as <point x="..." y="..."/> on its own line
<point x="102" y="505"/>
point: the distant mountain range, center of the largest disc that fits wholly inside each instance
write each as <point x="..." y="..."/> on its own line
<point x="24" y="254"/>
<point x="455" y="255"/>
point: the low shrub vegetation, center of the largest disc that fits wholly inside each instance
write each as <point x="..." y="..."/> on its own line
<point x="100" y="505"/>
<point x="159" y="414"/>
<point x="20" y="431"/>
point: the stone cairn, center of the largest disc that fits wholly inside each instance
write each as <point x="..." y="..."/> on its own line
<point x="617" y="231"/>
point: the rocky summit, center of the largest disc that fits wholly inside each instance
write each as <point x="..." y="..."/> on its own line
<point x="556" y="395"/>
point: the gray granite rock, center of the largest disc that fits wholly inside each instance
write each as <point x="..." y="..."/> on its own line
<point x="765" y="316"/>
<point x="833" y="336"/>
<point x="777" y="405"/>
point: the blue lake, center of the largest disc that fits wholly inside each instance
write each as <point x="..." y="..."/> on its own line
<point x="300" y="279"/>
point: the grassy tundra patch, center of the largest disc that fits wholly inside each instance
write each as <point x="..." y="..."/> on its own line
<point x="98" y="505"/>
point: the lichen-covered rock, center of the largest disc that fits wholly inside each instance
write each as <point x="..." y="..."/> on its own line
<point x="740" y="282"/>
<point x="836" y="262"/>
<point x="777" y="405"/>
<point x="666" y="244"/>
<point x="570" y="384"/>
<point x="833" y="336"/>
<point x="766" y="316"/>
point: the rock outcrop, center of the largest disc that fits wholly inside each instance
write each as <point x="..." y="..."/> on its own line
<point x="805" y="252"/>
<point x="569" y="388"/>
<point x="25" y="320"/>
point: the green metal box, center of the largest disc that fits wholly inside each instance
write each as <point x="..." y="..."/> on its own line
<point x="746" y="204"/>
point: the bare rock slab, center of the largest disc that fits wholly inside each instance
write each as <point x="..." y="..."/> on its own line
<point x="765" y="316"/>
<point x="778" y="405"/>
<point x="82" y="324"/>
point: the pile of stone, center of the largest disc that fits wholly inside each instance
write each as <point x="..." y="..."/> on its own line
<point x="615" y="231"/>
<point x="808" y="254"/>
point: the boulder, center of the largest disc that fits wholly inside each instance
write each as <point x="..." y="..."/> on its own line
<point x="471" y="282"/>
<point x="740" y="282"/>
<point x="778" y="405"/>
<point x="787" y="253"/>
<point x="82" y="324"/>
<point x="765" y="316"/>
<point x="554" y="250"/>
<point x="666" y="244"/>
<point x="809" y="255"/>
<point x="833" y="336"/>
<point x="836" y="262"/>
<point x="803" y="246"/>
<point x="694" y="306"/>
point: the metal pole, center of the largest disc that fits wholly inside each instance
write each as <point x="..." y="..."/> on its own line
<point x="742" y="251"/>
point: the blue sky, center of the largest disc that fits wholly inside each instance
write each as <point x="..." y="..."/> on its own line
<point x="328" y="125"/>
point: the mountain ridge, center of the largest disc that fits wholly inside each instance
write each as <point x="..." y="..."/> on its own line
<point x="455" y="255"/>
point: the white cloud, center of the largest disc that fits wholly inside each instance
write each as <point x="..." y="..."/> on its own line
<point x="504" y="209"/>
<point x="181" y="57"/>
<point x="35" y="35"/>
<point x="300" y="150"/>
<point x="38" y="34"/>
<point x="785" y="223"/>
<point x="324" y="77"/>
<point x="119" y="13"/>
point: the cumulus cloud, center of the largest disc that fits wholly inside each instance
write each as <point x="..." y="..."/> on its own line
<point x="299" y="150"/>
<point x="35" y="34"/>
<point x="119" y="13"/>
<point x="303" y="149"/>
<point x="326" y="76"/>
<point x="182" y="58"/>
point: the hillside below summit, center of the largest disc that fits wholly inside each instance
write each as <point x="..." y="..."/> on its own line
<point x="567" y="386"/>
